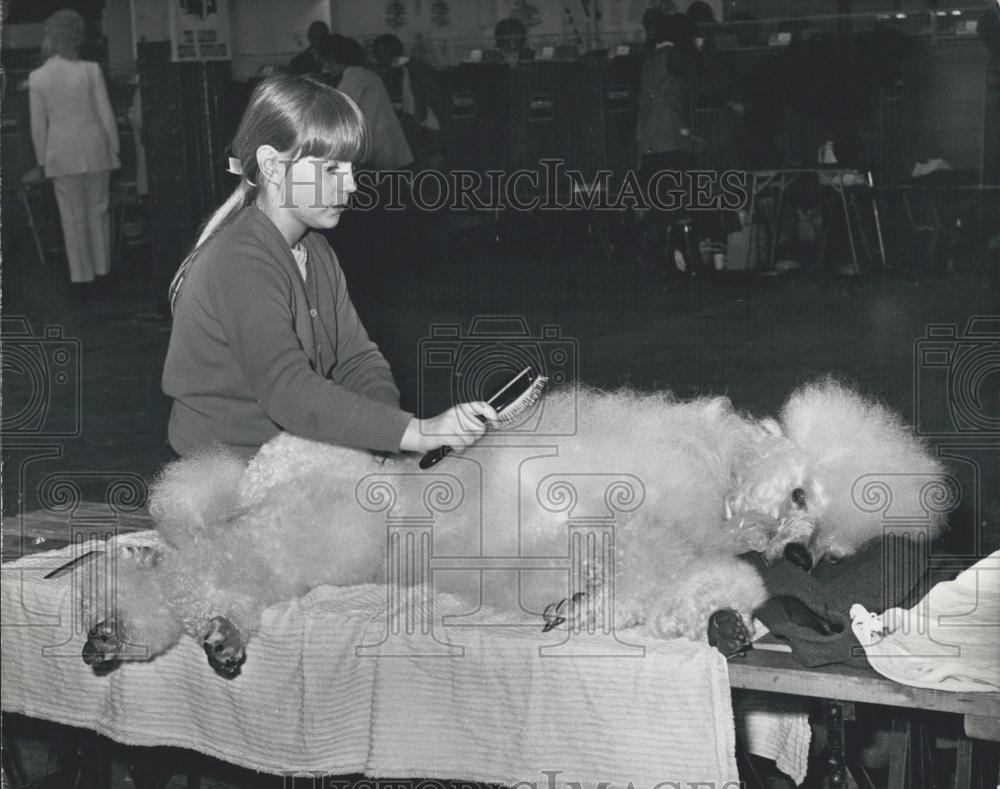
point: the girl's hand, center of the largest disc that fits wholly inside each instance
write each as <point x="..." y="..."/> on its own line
<point x="458" y="427"/>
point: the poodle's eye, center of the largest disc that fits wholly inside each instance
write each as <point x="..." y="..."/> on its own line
<point x="799" y="498"/>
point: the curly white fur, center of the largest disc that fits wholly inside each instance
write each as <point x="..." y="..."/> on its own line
<point x="715" y="483"/>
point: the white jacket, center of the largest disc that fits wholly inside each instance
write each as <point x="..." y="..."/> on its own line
<point x="389" y="149"/>
<point x="72" y="126"/>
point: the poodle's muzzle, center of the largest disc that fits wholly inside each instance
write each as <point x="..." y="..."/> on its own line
<point x="794" y="540"/>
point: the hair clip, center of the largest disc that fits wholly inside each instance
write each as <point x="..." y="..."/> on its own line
<point x="235" y="166"/>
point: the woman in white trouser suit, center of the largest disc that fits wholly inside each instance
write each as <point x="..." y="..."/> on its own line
<point x="76" y="142"/>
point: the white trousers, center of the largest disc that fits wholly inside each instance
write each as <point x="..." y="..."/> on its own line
<point x="86" y="223"/>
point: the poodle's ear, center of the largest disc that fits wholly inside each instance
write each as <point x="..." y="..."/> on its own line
<point x="193" y="491"/>
<point x="866" y="464"/>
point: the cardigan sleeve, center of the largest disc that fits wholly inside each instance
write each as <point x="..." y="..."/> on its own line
<point x="251" y="301"/>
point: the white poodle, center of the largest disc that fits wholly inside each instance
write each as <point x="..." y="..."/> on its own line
<point x="703" y="484"/>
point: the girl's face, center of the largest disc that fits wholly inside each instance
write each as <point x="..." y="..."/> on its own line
<point x="316" y="191"/>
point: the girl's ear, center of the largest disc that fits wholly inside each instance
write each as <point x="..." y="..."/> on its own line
<point x="269" y="164"/>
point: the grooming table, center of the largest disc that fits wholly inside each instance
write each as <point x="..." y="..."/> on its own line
<point x="839" y="687"/>
<point x="844" y="182"/>
<point x="333" y="685"/>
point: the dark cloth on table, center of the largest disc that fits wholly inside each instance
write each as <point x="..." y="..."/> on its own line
<point x="829" y="591"/>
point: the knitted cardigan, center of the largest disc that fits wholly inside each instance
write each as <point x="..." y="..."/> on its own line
<point x="255" y="350"/>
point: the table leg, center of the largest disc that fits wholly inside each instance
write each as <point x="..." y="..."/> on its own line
<point x="963" y="764"/>
<point x="836" y="715"/>
<point x="899" y="758"/>
<point x="26" y="203"/>
<point x="753" y="202"/>
<point x="878" y="223"/>
<point x="850" y="231"/>
<point x="776" y="232"/>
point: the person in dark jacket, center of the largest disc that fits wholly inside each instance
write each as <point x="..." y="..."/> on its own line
<point x="310" y="61"/>
<point x="511" y="39"/>
<point x="664" y="127"/>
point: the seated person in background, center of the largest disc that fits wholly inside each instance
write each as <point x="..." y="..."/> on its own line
<point x="342" y="64"/>
<point x="310" y="61"/>
<point x="415" y="93"/>
<point x="511" y="37"/>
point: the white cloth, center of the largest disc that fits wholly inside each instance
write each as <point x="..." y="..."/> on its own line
<point x="306" y="701"/>
<point x="72" y="126"/>
<point x="948" y="641"/>
<point x="85" y="214"/>
<point x="389" y="149"/>
<point x="775" y="727"/>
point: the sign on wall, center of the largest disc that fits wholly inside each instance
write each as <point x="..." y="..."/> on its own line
<point x="199" y="30"/>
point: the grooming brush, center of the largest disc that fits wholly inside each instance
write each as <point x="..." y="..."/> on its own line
<point x="509" y="401"/>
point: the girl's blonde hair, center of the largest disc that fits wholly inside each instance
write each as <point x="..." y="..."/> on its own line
<point x="300" y="117"/>
<point x="64" y="33"/>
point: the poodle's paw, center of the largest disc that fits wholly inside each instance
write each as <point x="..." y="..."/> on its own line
<point x="569" y="613"/>
<point x="105" y="646"/>
<point x="144" y="556"/>
<point x="225" y="649"/>
<point x="728" y="633"/>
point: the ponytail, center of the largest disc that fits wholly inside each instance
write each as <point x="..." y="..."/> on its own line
<point x="224" y="214"/>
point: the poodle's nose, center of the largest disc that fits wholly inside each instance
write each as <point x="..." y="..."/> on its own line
<point x="798" y="554"/>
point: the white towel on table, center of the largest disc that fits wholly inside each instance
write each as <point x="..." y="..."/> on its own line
<point x="306" y="702"/>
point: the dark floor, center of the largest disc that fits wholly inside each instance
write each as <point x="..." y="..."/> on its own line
<point x="750" y="337"/>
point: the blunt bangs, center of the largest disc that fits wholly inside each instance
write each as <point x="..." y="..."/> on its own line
<point x="333" y="128"/>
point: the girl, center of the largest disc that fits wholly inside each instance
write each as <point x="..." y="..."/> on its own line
<point x="265" y="337"/>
